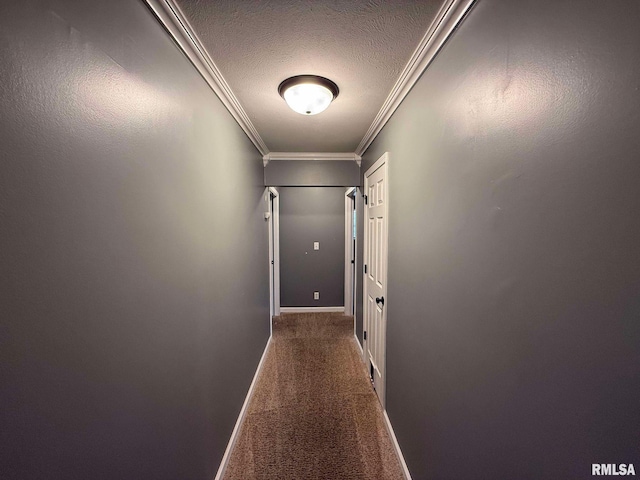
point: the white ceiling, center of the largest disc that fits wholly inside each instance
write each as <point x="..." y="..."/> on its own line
<point x="361" y="45"/>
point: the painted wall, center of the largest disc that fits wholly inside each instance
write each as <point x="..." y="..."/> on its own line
<point x="307" y="215"/>
<point x="513" y="306"/>
<point x="133" y="251"/>
<point x="311" y="173"/>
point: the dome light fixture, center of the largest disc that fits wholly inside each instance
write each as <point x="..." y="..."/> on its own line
<point x="308" y="94"/>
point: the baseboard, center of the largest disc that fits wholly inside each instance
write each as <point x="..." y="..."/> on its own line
<point x="403" y="464"/>
<point x="359" y="344"/>
<point x="311" y="309"/>
<point x="243" y="412"/>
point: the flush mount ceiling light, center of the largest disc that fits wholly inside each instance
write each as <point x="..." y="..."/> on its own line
<point x="308" y="94"/>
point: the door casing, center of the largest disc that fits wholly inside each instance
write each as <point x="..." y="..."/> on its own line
<point x="349" y="254"/>
<point x="274" y="252"/>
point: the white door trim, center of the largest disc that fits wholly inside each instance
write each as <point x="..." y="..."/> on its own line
<point x="349" y="253"/>
<point x="383" y="160"/>
<point x="274" y="251"/>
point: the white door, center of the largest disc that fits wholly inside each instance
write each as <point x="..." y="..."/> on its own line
<point x="375" y="278"/>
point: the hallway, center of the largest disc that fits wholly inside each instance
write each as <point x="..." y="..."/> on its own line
<point x="161" y="201"/>
<point x="313" y="414"/>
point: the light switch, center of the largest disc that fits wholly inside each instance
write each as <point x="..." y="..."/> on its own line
<point x="316" y="295"/>
<point x="316" y="245"/>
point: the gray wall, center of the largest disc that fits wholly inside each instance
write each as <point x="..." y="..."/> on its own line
<point x="133" y="292"/>
<point x="513" y="306"/>
<point x="311" y="173"/>
<point x="307" y="215"/>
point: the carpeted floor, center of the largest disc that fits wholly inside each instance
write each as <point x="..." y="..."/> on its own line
<point x="313" y="414"/>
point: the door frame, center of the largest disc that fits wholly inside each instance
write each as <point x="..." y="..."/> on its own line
<point x="350" y="249"/>
<point x="382" y="161"/>
<point x="274" y="251"/>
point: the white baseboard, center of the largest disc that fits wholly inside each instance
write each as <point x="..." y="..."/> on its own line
<point x="243" y="412"/>
<point x="359" y="345"/>
<point x="394" y="440"/>
<point x="311" y="309"/>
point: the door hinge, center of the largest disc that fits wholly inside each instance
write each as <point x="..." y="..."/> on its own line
<point x="365" y="334"/>
<point x="365" y="269"/>
<point x="366" y="200"/>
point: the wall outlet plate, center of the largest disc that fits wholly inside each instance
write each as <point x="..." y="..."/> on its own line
<point x="316" y="245"/>
<point x="316" y="295"/>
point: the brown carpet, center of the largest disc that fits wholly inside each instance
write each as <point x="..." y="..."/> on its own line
<point x="313" y="414"/>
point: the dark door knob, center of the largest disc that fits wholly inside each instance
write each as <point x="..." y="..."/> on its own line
<point x="380" y="300"/>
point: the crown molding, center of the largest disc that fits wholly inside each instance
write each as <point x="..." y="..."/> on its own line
<point x="446" y="21"/>
<point x="176" y="24"/>
<point x="350" y="156"/>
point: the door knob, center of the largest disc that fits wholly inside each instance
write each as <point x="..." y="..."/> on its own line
<point x="380" y="300"/>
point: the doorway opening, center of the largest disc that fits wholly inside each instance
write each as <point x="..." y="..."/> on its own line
<point x="350" y="239"/>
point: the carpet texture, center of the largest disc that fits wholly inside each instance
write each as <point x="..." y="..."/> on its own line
<point x="313" y="414"/>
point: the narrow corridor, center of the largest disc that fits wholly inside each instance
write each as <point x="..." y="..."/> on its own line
<point x="313" y="414"/>
<point x="161" y="202"/>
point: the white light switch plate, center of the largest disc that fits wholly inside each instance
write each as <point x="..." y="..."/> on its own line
<point x="316" y="295"/>
<point x="316" y="245"/>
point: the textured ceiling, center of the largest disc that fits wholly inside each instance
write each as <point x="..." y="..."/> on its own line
<point x="361" y="45"/>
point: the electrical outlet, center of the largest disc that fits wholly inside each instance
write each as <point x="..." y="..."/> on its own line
<point x="316" y="295"/>
<point x="316" y="245"/>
